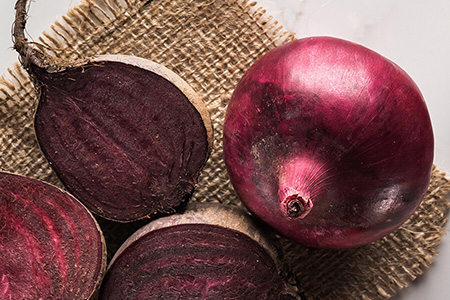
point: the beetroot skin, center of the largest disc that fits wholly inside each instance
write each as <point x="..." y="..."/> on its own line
<point x="50" y="245"/>
<point x="191" y="256"/>
<point x="328" y="142"/>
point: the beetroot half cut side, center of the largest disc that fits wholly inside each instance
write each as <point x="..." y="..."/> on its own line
<point x="122" y="137"/>
<point x="125" y="135"/>
<point x="208" y="252"/>
<point x="50" y="245"/>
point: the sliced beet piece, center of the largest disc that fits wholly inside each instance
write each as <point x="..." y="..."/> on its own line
<point x="126" y="136"/>
<point x="208" y="252"/>
<point x="120" y="136"/>
<point x="50" y="245"/>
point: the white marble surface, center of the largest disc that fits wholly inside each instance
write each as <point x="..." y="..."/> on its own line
<point x="414" y="34"/>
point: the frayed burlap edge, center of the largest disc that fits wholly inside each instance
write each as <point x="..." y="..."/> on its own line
<point x="210" y="44"/>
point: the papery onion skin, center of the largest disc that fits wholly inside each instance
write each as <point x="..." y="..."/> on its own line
<point x="328" y="142"/>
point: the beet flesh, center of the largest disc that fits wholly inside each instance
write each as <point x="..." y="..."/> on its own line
<point x="328" y="142"/>
<point x="125" y="135"/>
<point x="123" y="139"/>
<point x="50" y="245"/>
<point x="192" y="259"/>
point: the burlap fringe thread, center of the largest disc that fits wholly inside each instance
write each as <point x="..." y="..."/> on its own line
<point x="210" y="44"/>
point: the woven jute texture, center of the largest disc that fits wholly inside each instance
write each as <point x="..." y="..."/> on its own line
<point x="210" y="43"/>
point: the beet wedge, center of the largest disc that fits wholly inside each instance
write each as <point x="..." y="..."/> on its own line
<point x="125" y="135"/>
<point x="50" y="245"/>
<point x="210" y="251"/>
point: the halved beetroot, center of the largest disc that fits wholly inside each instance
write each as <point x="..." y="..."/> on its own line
<point x="50" y="245"/>
<point x="209" y="252"/>
<point x="122" y="135"/>
<point x="125" y="135"/>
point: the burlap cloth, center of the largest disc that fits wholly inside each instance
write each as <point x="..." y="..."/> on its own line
<point x="210" y="43"/>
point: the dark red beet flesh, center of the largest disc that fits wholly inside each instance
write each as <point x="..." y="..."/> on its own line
<point x="50" y="245"/>
<point x="207" y="251"/>
<point x="125" y="141"/>
<point x="328" y="142"/>
<point x="193" y="261"/>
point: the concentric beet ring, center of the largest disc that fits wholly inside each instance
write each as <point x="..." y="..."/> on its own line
<point x="50" y="245"/>
<point x="208" y="252"/>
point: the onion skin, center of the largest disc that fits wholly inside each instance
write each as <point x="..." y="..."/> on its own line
<point x="328" y="142"/>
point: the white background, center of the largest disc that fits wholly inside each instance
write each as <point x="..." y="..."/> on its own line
<point x="413" y="33"/>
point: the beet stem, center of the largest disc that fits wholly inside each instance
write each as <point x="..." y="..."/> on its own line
<point x="29" y="56"/>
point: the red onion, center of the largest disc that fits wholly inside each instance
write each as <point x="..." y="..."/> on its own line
<point x="328" y="142"/>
